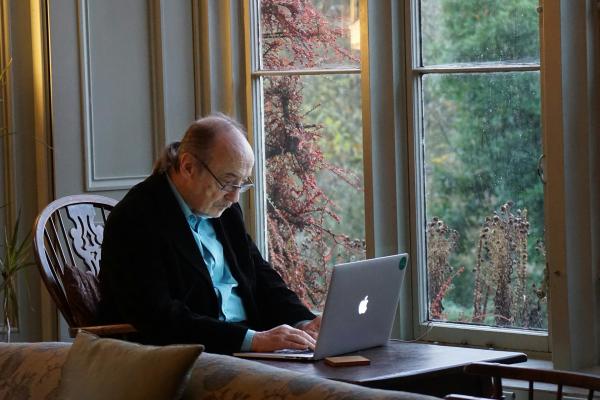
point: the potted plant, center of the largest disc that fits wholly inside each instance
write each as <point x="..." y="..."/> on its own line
<point x="14" y="253"/>
<point x="15" y="258"/>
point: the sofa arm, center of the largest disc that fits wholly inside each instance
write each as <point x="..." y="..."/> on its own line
<point x="224" y="377"/>
<point x="31" y="370"/>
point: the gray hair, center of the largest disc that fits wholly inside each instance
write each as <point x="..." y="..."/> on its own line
<point x="199" y="140"/>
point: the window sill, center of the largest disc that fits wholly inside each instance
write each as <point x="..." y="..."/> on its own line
<point x="534" y="343"/>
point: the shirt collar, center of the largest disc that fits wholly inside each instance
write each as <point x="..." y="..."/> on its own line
<point x="192" y="219"/>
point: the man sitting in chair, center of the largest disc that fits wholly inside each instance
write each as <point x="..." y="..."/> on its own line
<point x="178" y="264"/>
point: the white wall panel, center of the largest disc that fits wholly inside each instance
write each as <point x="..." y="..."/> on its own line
<point x="117" y="92"/>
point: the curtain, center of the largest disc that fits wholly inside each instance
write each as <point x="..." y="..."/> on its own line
<point x="575" y="287"/>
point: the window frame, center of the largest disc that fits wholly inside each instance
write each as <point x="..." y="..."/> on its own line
<point x="448" y="332"/>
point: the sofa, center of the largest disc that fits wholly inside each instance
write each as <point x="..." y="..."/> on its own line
<point x="33" y="371"/>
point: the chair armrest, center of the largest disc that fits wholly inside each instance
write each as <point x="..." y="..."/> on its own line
<point x="105" y="330"/>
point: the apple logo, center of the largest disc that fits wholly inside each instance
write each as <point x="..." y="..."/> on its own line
<point x="362" y="306"/>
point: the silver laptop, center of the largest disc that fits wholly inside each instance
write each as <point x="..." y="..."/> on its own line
<point x="359" y="309"/>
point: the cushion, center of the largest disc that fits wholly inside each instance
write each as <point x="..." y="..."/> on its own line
<point x="217" y="376"/>
<point x="31" y="370"/>
<point x="113" y="369"/>
<point x="83" y="294"/>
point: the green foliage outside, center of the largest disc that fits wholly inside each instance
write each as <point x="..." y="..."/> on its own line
<point x="468" y="31"/>
<point x="334" y="102"/>
<point x="482" y="132"/>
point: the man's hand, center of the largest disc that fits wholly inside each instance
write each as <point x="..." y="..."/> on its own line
<point x="282" y="337"/>
<point x="312" y="327"/>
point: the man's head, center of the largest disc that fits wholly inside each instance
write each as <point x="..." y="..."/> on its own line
<point x="213" y="159"/>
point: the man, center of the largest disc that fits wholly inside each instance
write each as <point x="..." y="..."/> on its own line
<point x="178" y="263"/>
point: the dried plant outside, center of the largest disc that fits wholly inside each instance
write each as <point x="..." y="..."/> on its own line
<point x="502" y="292"/>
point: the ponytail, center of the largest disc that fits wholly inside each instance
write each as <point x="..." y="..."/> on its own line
<point x="168" y="159"/>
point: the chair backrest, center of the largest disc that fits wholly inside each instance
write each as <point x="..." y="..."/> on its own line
<point x="591" y="383"/>
<point x="67" y="240"/>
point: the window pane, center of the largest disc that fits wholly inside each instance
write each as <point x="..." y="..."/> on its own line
<point x="315" y="199"/>
<point x="484" y="199"/>
<point x="309" y="34"/>
<point x="465" y="31"/>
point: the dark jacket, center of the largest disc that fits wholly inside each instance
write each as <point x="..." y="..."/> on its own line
<point x="153" y="275"/>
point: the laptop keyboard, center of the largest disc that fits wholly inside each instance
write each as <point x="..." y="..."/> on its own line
<point x="293" y="351"/>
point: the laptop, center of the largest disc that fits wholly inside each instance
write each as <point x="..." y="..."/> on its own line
<point x="359" y="309"/>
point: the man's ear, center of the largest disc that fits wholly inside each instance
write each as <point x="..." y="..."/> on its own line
<point x="187" y="165"/>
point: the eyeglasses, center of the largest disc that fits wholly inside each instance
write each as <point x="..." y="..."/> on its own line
<point x="229" y="187"/>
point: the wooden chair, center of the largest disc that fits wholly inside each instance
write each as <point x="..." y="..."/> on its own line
<point x="67" y="240"/>
<point x="497" y="372"/>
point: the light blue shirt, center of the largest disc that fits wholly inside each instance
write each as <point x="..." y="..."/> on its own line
<point x="224" y="284"/>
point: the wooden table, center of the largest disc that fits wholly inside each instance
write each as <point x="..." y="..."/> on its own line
<point x="415" y="367"/>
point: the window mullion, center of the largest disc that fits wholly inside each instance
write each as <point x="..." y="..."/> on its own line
<point x="257" y="214"/>
<point x="465" y="69"/>
<point x="415" y="127"/>
<point x="306" y="72"/>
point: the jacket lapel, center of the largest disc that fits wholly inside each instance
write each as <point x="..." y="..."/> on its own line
<point x="177" y="229"/>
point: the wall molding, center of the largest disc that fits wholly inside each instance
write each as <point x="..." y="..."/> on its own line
<point x="94" y="182"/>
<point x="159" y="100"/>
<point x="44" y="170"/>
<point x="202" y="70"/>
<point x="6" y="133"/>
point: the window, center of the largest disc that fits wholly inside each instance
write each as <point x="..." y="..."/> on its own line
<point x="308" y="123"/>
<point x="472" y="67"/>
<point x="476" y="102"/>
<point x="476" y="96"/>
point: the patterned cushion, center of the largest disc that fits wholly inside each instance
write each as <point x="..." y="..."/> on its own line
<point x="223" y="377"/>
<point x="31" y="370"/>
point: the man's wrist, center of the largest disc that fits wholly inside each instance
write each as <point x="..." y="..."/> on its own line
<point x="300" y="324"/>
<point x="247" y="342"/>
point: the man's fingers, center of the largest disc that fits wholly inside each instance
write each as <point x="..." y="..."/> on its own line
<point x="308" y="339"/>
<point x="313" y="334"/>
<point x="300" y="338"/>
<point x="282" y="337"/>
